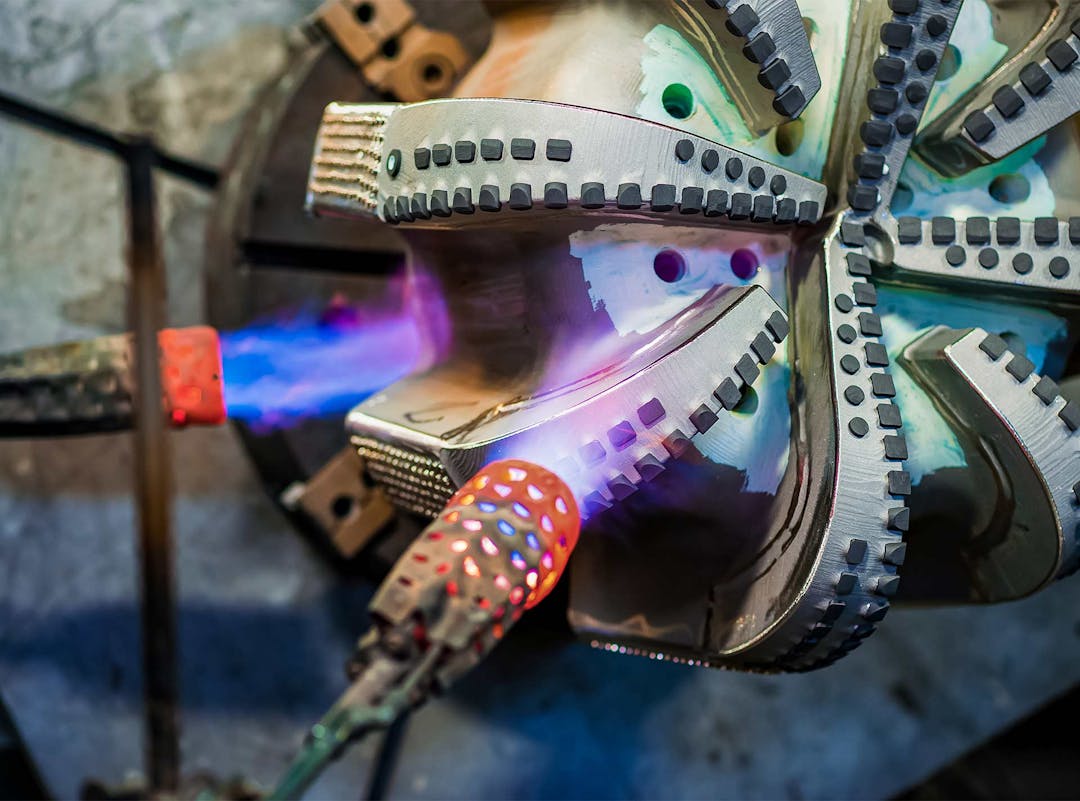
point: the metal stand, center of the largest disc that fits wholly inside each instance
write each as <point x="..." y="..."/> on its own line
<point x="153" y="488"/>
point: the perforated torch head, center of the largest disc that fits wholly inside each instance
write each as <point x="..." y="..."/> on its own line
<point x="497" y="549"/>
<point x="536" y="519"/>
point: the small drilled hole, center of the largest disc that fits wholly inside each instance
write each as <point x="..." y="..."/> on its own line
<point x="669" y="265"/>
<point x="678" y="101"/>
<point x="342" y="505"/>
<point x="365" y="13"/>
<point x="433" y="73"/>
<point x="950" y="63"/>
<point x="1010" y="188"/>
<point x="789" y="136"/>
<point x="744" y="264"/>
<point x="391" y="48"/>
<point x="749" y="403"/>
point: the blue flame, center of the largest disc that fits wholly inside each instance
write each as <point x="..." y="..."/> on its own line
<point x="315" y="365"/>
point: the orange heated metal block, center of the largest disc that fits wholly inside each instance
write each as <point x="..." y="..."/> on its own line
<point x="89" y="386"/>
<point x="191" y="385"/>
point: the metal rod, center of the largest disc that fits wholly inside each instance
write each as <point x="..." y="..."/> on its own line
<point x="102" y="139"/>
<point x="153" y="488"/>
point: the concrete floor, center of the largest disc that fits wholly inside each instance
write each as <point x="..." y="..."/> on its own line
<point x="265" y="626"/>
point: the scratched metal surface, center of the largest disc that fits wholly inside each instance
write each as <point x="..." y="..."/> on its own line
<point x="265" y="626"/>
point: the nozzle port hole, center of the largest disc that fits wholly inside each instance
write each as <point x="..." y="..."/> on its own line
<point x="669" y="266"/>
<point x="678" y="101"/>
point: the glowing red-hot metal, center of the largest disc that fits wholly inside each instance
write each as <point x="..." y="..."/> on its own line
<point x="89" y="386"/>
<point x="498" y="548"/>
<point x="191" y="386"/>
<point x="532" y="501"/>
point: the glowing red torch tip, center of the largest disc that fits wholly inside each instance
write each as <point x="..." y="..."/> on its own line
<point x="191" y="385"/>
<point x="533" y="500"/>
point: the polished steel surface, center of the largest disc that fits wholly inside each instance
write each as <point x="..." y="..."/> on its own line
<point x="598" y="161"/>
<point x="1016" y="416"/>
<point x="817" y="570"/>
<point x="607" y="432"/>
<point x="889" y="114"/>
<point x="1023" y="98"/>
<point x="1004" y="256"/>
<point x="766" y="59"/>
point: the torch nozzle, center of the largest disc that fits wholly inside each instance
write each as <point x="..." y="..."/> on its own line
<point x="89" y="386"/>
<point x="497" y="549"/>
